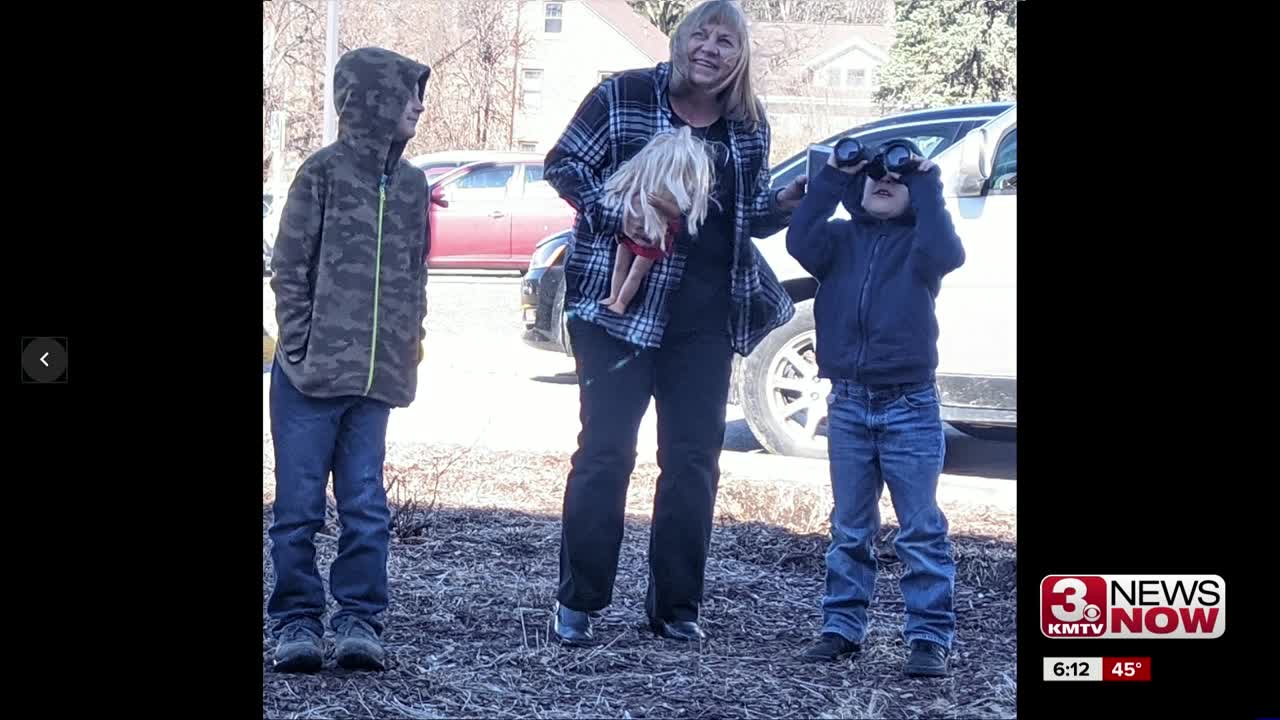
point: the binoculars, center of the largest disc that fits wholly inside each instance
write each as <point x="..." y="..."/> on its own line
<point x="894" y="156"/>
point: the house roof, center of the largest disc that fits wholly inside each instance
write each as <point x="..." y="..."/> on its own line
<point x="786" y="48"/>
<point x="635" y="27"/>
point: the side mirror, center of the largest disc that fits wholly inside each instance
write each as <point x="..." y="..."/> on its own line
<point x="975" y="164"/>
<point x="437" y="196"/>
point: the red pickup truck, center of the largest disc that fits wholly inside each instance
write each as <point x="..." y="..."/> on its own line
<point x="488" y="215"/>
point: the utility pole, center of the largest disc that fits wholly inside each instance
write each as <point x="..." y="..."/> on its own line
<point x="330" y="60"/>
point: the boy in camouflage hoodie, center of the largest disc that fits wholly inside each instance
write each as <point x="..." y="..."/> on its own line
<point x="350" y="285"/>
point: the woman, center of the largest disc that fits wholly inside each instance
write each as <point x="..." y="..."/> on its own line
<point x="714" y="296"/>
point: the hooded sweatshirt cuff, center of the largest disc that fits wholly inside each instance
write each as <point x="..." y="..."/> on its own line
<point x="925" y="188"/>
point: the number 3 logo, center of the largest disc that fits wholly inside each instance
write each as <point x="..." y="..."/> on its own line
<point x="1073" y="589"/>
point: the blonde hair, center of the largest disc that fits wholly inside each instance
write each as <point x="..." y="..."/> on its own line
<point x="675" y="166"/>
<point x="735" y="93"/>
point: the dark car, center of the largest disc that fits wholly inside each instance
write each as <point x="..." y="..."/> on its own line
<point x="542" y="295"/>
<point x="542" y="291"/>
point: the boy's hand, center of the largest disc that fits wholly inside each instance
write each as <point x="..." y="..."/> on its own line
<point x="923" y="167"/>
<point x="850" y="170"/>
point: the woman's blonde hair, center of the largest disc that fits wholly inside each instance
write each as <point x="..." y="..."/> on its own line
<point x="736" y="96"/>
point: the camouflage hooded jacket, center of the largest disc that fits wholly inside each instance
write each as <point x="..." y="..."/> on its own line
<point x="349" y="270"/>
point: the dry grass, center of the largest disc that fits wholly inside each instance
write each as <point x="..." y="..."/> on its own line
<point x="472" y="588"/>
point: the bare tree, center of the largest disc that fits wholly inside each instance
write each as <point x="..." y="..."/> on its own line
<point x="292" y="51"/>
<point x="873" y="12"/>
<point x="664" y="14"/>
<point x="472" y="46"/>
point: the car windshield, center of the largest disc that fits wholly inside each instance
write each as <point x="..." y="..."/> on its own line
<point x="931" y="136"/>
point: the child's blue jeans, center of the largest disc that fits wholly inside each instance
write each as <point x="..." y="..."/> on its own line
<point x="888" y="435"/>
<point x="314" y="437"/>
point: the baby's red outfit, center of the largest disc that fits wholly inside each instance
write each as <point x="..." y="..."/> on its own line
<point x="653" y="252"/>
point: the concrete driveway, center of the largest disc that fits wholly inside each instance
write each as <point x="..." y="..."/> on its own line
<point x="480" y="384"/>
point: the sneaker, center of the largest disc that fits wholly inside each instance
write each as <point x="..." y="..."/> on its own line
<point x="927" y="659"/>
<point x="298" y="650"/>
<point x="831" y="647"/>
<point x="359" y="647"/>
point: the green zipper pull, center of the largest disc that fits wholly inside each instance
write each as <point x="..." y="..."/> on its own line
<point x="377" y="282"/>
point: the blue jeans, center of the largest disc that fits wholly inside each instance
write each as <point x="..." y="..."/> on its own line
<point x="314" y="437"/>
<point x="888" y="435"/>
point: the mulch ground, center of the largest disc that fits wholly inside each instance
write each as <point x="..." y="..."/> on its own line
<point x="472" y="591"/>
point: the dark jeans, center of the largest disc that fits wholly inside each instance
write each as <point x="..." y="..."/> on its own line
<point x="313" y="437"/>
<point x="888" y="435"/>
<point x="688" y="377"/>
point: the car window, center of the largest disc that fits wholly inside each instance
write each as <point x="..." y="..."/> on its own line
<point x="931" y="139"/>
<point x="1004" y="170"/>
<point x="439" y="165"/>
<point x="535" y="185"/>
<point x="487" y="178"/>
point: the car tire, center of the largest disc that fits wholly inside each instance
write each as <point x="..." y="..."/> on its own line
<point x="779" y="382"/>
<point x="268" y="350"/>
<point x="993" y="433"/>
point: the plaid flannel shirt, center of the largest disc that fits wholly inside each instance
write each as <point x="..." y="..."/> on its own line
<point x="611" y="125"/>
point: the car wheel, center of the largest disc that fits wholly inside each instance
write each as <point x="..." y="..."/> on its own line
<point x="994" y="433"/>
<point x="784" y="400"/>
<point x="564" y="322"/>
<point x="268" y="350"/>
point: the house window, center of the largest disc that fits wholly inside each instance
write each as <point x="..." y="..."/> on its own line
<point x="531" y="87"/>
<point x="553" y="16"/>
<point x="856" y="78"/>
<point x="833" y="77"/>
<point x="528" y="147"/>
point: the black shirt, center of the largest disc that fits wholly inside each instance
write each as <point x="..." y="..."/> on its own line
<point x="701" y="303"/>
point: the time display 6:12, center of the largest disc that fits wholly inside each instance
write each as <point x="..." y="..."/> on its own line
<point x="1072" y="668"/>
<point x="1079" y="668"/>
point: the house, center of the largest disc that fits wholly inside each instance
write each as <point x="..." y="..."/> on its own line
<point x="574" y="44"/>
<point x="816" y="80"/>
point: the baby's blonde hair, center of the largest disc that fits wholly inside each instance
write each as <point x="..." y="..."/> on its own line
<point x="675" y="166"/>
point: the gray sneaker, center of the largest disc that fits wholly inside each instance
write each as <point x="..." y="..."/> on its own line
<point x="359" y="647"/>
<point x="927" y="659"/>
<point x="298" y="650"/>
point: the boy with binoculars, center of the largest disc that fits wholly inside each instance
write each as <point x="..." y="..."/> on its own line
<point x="879" y="274"/>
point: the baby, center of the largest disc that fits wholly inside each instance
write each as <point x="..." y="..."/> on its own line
<point x="669" y="178"/>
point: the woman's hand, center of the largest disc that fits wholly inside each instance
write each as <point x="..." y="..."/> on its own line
<point x="669" y="210"/>
<point x="790" y="196"/>
<point x="633" y="227"/>
<point x="633" y="224"/>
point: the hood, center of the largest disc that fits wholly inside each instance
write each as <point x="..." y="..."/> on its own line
<point x="370" y="89"/>
<point x="852" y="202"/>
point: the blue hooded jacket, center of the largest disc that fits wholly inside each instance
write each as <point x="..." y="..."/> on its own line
<point x="878" y="279"/>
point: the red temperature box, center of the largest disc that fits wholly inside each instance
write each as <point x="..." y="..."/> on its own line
<point x="1126" y="669"/>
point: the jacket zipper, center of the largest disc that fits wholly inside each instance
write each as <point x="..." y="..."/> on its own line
<point x="377" y="282"/>
<point x="864" y="312"/>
